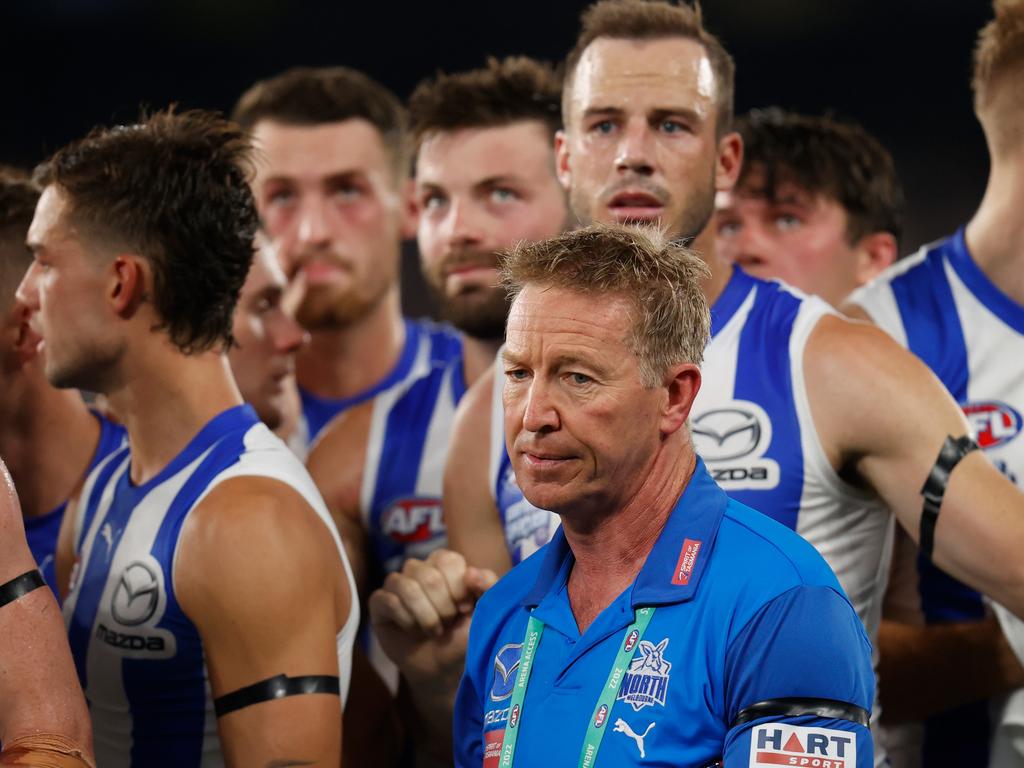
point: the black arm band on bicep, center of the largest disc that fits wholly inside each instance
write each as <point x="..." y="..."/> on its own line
<point x="20" y="586"/>
<point x="952" y="451"/>
<point x="797" y="707"/>
<point x="276" y="687"/>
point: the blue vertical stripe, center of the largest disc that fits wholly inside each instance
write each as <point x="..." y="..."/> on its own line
<point x="764" y="376"/>
<point x="401" y="453"/>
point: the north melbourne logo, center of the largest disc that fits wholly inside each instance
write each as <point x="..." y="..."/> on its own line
<point x="646" y="682"/>
<point x="137" y="595"/>
<point x="732" y="441"/>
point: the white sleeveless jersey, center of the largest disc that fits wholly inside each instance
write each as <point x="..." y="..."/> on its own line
<point x="943" y="308"/>
<point x="139" y="657"/>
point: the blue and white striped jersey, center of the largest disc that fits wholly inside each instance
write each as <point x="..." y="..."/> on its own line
<point x="42" y="531"/>
<point x="941" y="306"/>
<point x="317" y="411"/>
<point x="406" y="448"/>
<point x="139" y="657"/>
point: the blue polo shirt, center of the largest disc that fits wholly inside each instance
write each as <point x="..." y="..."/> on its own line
<point x="746" y="612"/>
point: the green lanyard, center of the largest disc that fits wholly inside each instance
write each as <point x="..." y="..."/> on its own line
<point x="595" y="731"/>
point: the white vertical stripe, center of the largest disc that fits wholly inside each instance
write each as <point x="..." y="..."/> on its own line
<point x="720" y="360"/>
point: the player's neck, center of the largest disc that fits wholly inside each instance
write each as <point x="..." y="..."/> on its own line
<point x="48" y="439"/>
<point x="995" y="234"/>
<point x="164" y="399"/>
<point x="477" y="357"/>
<point x="343" y="362"/>
<point x="721" y="270"/>
<point x="610" y="549"/>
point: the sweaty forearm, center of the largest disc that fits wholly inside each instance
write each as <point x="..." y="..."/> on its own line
<point x="927" y="670"/>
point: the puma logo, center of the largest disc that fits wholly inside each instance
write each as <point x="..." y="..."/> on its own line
<point x="621" y="726"/>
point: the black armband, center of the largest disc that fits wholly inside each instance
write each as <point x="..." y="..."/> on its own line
<point x="20" y="586"/>
<point x="276" y="687"/>
<point x="797" y="707"/>
<point x="952" y="451"/>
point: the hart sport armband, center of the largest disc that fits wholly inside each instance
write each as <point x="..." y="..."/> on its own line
<point x="952" y="451"/>
<point x="20" y="586"/>
<point x="277" y="687"/>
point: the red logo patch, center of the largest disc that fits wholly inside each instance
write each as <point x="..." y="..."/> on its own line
<point x="994" y="423"/>
<point x="631" y="639"/>
<point x="687" y="562"/>
<point x="492" y="748"/>
<point x="601" y="716"/>
<point x="513" y="717"/>
<point x="412" y="520"/>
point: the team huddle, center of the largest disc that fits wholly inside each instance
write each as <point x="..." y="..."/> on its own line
<point x="694" y="469"/>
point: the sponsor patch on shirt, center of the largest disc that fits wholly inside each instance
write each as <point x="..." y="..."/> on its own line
<point x="773" y="744"/>
<point x="687" y="562"/>
<point x="492" y="748"/>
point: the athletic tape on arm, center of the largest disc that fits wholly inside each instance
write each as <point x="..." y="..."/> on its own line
<point x="952" y="451"/>
<point x="20" y="586"/>
<point x="276" y="687"/>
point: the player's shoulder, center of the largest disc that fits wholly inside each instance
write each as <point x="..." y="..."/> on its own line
<point x="777" y="307"/>
<point x="752" y="548"/>
<point x="914" y="275"/>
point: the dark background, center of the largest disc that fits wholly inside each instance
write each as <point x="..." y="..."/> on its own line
<point x="901" y="68"/>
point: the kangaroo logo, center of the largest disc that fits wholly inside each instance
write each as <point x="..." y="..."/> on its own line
<point x="621" y="726"/>
<point x="646" y="682"/>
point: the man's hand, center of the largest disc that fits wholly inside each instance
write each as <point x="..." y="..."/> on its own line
<point x="421" y="617"/>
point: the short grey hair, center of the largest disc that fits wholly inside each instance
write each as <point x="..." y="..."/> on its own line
<point x="661" y="279"/>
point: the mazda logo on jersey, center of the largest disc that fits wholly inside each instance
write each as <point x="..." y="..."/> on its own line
<point x="732" y="440"/>
<point x="413" y="520"/>
<point x="993" y="423"/>
<point x="506" y="667"/>
<point x="726" y="433"/>
<point x="137" y="595"/>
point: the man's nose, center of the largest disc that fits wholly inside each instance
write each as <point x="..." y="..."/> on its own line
<point x="635" y="150"/>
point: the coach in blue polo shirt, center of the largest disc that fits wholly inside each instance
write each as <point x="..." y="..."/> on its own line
<point x="664" y="625"/>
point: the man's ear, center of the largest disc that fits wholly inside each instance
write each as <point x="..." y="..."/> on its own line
<point x="876" y="252"/>
<point x="562" y="159"/>
<point x="728" y="162"/>
<point x="682" y="383"/>
<point x="129" y="284"/>
<point x="410" y="211"/>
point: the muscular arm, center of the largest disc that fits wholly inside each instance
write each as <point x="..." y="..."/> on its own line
<point x="264" y="584"/>
<point x="882" y="417"/>
<point x="39" y="691"/>
<point x="473" y="521"/>
<point x="917" y="678"/>
<point x="336" y="465"/>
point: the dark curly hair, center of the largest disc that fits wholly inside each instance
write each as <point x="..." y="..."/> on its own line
<point x="174" y="188"/>
<point x="502" y="92"/>
<point x="824" y="156"/>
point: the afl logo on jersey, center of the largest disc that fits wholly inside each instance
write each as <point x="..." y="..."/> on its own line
<point x="137" y="595"/>
<point x="413" y="520"/>
<point x="732" y="441"/>
<point x="993" y="423"/>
